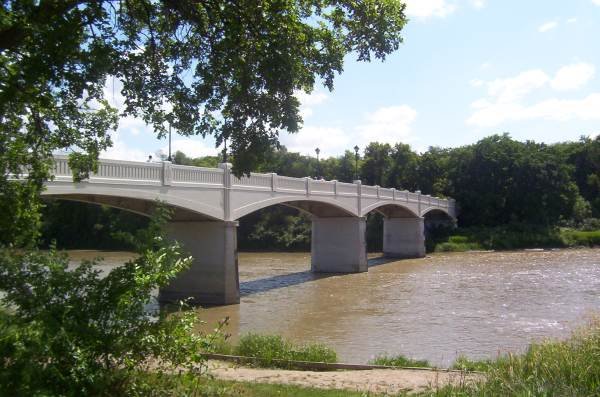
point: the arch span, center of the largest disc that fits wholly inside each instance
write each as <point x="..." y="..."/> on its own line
<point x="140" y="201"/>
<point x="323" y="207"/>
<point x="391" y="209"/>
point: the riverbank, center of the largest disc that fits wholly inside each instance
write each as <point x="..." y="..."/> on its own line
<point x="514" y="237"/>
<point x="553" y="367"/>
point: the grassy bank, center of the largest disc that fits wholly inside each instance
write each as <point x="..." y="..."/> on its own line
<point x="512" y="237"/>
<point x="269" y="349"/>
<point x="552" y="368"/>
<point x="400" y="361"/>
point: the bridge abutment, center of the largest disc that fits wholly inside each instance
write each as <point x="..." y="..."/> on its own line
<point x="213" y="277"/>
<point x="338" y="245"/>
<point x="403" y="237"/>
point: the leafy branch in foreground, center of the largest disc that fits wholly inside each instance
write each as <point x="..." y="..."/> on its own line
<point x="71" y="330"/>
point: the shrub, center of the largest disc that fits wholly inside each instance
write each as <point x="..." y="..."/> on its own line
<point x="268" y="348"/>
<point x="581" y="238"/>
<point x="69" y="331"/>
<point x="400" y="361"/>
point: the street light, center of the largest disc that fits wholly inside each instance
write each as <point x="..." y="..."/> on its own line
<point x="356" y="148"/>
<point x="317" y="151"/>
<point x="169" y="158"/>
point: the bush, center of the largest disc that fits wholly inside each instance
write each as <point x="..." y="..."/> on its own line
<point x="581" y="238"/>
<point x="72" y="332"/>
<point x="400" y="361"/>
<point x="268" y="348"/>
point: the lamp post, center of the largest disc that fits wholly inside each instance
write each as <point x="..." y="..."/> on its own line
<point x="356" y="148"/>
<point x="317" y="151"/>
<point x="169" y="158"/>
<point x="225" y="150"/>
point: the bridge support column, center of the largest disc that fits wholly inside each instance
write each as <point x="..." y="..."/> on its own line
<point x="403" y="237"/>
<point x="338" y="245"/>
<point x="212" y="278"/>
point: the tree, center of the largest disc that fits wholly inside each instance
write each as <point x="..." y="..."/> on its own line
<point x="404" y="168"/>
<point x="222" y="68"/>
<point x="376" y="163"/>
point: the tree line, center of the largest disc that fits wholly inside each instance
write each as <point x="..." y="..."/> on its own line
<point x="497" y="182"/>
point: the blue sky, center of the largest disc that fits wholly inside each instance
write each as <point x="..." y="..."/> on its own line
<point x="467" y="69"/>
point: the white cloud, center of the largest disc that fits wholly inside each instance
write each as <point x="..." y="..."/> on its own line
<point x="388" y="125"/>
<point x="545" y="27"/>
<point x="309" y="101"/>
<point x="429" y="8"/>
<point x="505" y="99"/>
<point x="597" y="2"/>
<point x="494" y="114"/>
<point x="573" y="76"/>
<point x="121" y="151"/>
<point x="514" y="88"/>
<point x="478" y="3"/>
<point x="191" y="147"/>
<point x="332" y="141"/>
<point x="573" y="20"/>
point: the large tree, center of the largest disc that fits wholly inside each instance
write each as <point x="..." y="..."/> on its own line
<point x="207" y="67"/>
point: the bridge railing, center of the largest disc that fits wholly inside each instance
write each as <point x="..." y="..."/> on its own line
<point x="167" y="174"/>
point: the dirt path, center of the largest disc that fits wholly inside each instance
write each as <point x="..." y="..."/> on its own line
<point x="390" y="381"/>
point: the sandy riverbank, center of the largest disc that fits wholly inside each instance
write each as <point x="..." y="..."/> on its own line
<point x="391" y="381"/>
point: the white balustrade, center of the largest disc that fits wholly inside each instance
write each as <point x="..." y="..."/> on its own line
<point x="386" y="193"/>
<point x="254" y="180"/>
<point x="197" y="175"/>
<point x="180" y="175"/>
<point x="320" y="186"/>
<point x="346" y="188"/>
<point x="369" y="190"/>
<point x="289" y="183"/>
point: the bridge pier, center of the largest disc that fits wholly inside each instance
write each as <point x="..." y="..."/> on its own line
<point x="403" y="237"/>
<point x="338" y="245"/>
<point x="212" y="278"/>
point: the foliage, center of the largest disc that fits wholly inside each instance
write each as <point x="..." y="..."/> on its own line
<point x="464" y="363"/>
<point x="87" y="226"/>
<point x="400" y="361"/>
<point x="574" y="238"/>
<point x="566" y="368"/>
<point x="267" y="348"/>
<point x="226" y="68"/>
<point x="74" y="331"/>
<point x="186" y="386"/>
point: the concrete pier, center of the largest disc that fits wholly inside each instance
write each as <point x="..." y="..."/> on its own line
<point x="403" y="237"/>
<point x="338" y="245"/>
<point x="213" y="277"/>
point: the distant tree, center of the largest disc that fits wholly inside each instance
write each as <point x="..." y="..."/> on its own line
<point x="376" y="164"/>
<point x="404" y="168"/>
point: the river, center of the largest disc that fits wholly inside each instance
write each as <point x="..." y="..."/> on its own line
<point x="476" y="304"/>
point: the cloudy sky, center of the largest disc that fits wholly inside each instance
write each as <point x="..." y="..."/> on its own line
<point x="467" y="69"/>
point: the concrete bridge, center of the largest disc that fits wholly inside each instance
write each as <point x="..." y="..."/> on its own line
<point x="207" y="203"/>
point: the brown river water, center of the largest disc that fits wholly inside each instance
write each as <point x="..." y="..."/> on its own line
<point x="478" y="304"/>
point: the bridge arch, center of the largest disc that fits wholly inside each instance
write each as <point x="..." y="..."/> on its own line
<point x="320" y="206"/>
<point x="139" y="201"/>
<point x="391" y="209"/>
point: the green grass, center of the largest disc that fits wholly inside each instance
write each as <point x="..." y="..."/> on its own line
<point x="573" y="238"/>
<point x="269" y="348"/>
<point x="400" y="361"/>
<point x="204" y="386"/>
<point x="551" y="368"/>
<point x="510" y="237"/>
<point x="466" y="364"/>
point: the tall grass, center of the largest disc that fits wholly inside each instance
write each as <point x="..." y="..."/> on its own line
<point x="268" y="350"/>
<point x="552" y="368"/>
<point x="400" y="361"/>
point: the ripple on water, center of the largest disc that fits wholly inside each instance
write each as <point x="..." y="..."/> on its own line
<point x="477" y="304"/>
